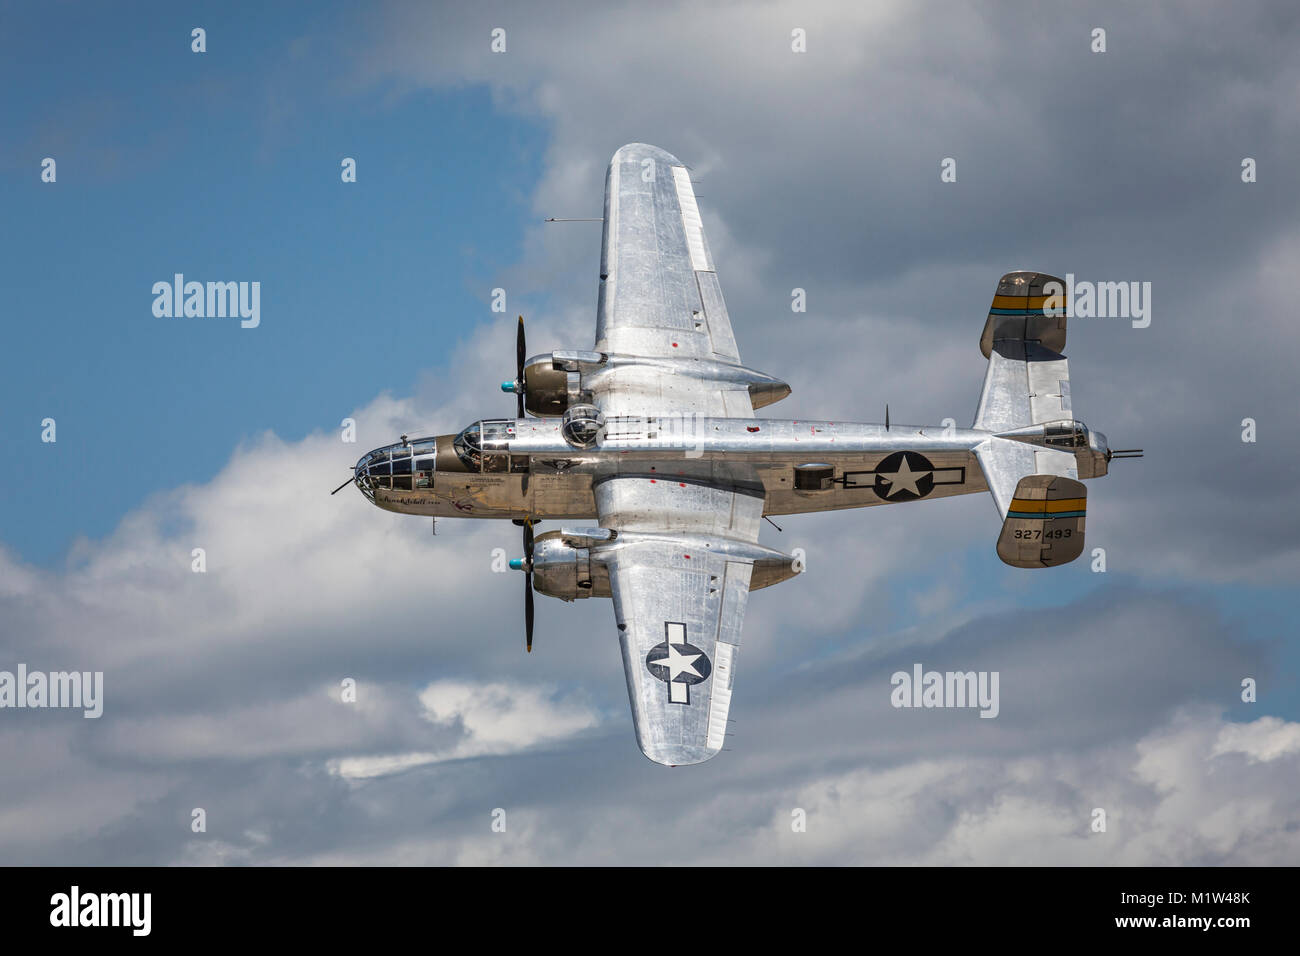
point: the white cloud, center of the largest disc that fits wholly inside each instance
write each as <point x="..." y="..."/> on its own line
<point x="500" y="717"/>
<point x="1162" y="807"/>
<point x="1266" y="739"/>
<point x="490" y="719"/>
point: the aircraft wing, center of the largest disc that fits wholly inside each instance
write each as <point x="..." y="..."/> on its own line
<point x="680" y="579"/>
<point x="659" y="294"/>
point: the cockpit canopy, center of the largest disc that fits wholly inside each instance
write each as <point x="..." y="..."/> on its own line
<point x="405" y="466"/>
<point x="469" y="445"/>
<point x="485" y="446"/>
<point x="1066" y="434"/>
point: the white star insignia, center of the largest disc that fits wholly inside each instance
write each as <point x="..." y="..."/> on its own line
<point x="904" y="479"/>
<point x="678" y="663"/>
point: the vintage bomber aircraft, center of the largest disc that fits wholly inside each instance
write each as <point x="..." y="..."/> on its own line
<point x="651" y="438"/>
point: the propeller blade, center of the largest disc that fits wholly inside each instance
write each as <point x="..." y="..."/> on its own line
<point x="528" y="584"/>
<point x="521" y="355"/>
<point x="528" y="611"/>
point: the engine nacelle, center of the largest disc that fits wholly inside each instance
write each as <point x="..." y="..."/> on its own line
<point x="556" y="381"/>
<point x="553" y="380"/>
<point x="563" y="566"/>
<point x="567" y="572"/>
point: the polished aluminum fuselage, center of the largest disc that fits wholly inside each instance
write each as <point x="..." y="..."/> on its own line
<point x="542" y="476"/>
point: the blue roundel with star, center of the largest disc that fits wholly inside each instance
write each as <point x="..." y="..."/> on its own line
<point x="678" y="663"/>
<point x="904" y="475"/>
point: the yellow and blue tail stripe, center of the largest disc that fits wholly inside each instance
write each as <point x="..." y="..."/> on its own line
<point x="1040" y="508"/>
<point x="1026" y="305"/>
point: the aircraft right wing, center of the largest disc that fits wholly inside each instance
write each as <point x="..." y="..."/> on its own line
<point x="680" y="576"/>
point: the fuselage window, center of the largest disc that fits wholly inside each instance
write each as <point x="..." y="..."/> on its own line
<point x="498" y="432"/>
<point x="424" y="473"/>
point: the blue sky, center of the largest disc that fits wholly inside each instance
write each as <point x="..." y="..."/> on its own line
<point x="816" y="171"/>
<point x="228" y="170"/>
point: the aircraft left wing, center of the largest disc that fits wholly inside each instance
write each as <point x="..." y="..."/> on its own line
<point x="659" y="295"/>
<point x="680" y="576"/>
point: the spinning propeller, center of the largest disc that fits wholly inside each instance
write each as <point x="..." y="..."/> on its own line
<point x="525" y="564"/>
<point x="517" y="386"/>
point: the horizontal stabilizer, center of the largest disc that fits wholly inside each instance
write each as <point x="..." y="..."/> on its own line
<point x="1040" y="500"/>
<point x="1028" y="379"/>
<point x="1044" y="525"/>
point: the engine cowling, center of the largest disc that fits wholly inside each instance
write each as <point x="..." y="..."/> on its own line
<point x="556" y="381"/>
<point x="546" y="387"/>
<point x="553" y="381"/>
<point x="564" y="571"/>
<point x="563" y="566"/>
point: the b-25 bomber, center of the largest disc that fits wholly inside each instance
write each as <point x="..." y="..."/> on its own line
<point x="647" y="451"/>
